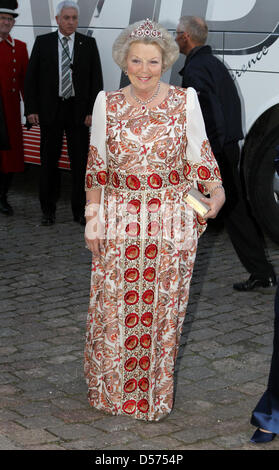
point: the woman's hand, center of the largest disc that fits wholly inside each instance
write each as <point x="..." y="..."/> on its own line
<point x="215" y="202"/>
<point x="94" y="229"/>
<point x="94" y="235"/>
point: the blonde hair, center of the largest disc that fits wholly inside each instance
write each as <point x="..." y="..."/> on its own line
<point x="165" y="41"/>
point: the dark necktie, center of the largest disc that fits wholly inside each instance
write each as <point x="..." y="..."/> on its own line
<point x="66" y="83"/>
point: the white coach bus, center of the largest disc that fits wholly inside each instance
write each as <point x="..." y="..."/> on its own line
<point x="244" y="34"/>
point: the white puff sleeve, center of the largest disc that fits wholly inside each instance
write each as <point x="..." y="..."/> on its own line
<point x="200" y="161"/>
<point x="96" y="170"/>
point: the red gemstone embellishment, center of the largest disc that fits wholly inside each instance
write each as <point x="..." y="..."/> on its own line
<point x="143" y="405"/>
<point x="130" y="386"/>
<point x="131" y="342"/>
<point x="148" y="296"/>
<point x="129" y="407"/>
<point x="133" y="182"/>
<point x="131" y="297"/>
<point x="154" y="205"/>
<point x="144" y="384"/>
<point x="102" y="177"/>
<point x="131" y="364"/>
<point x="144" y="363"/>
<point x="131" y="275"/>
<point x="146" y="319"/>
<point x="133" y="207"/>
<point x="154" y="181"/>
<point x="145" y="341"/>
<point x="174" y="177"/>
<point x="149" y="274"/>
<point x="131" y="320"/>
<point x="151" y="251"/>
<point x="132" y="252"/>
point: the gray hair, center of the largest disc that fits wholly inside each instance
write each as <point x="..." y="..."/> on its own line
<point x="66" y="4"/>
<point x="196" y="27"/>
<point x="166" y="42"/>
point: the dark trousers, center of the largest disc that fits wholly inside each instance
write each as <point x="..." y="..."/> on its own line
<point x="77" y="137"/>
<point x="242" y="227"/>
<point x="266" y="413"/>
<point x="5" y="183"/>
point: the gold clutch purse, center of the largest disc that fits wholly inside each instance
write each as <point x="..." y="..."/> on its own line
<point x="193" y="198"/>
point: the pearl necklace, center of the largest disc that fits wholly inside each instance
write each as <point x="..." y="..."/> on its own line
<point x="138" y="100"/>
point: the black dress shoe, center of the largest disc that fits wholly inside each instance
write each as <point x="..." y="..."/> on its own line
<point x="253" y="282"/>
<point x="260" y="437"/>
<point x="48" y="219"/>
<point x="5" y="207"/>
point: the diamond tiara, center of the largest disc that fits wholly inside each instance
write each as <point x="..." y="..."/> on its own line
<point x="146" y="29"/>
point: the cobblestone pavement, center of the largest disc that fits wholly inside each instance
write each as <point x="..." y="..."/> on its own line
<point x="223" y="361"/>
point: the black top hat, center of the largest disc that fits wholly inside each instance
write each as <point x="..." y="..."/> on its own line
<point x="9" y="7"/>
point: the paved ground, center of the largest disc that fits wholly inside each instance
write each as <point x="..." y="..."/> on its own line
<point x="44" y="284"/>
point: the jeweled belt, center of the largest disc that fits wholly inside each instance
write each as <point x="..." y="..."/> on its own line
<point x="136" y="182"/>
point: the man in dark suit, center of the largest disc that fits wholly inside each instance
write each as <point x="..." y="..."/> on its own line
<point x="221" y="110"/>
<point x="63" y="79"/>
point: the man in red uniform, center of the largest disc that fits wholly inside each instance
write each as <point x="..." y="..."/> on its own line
<point x="13" y="65"/>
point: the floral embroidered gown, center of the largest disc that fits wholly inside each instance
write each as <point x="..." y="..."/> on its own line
<point x="145" y="160"/>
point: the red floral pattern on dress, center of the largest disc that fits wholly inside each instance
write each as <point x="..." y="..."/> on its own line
<point x="130" y="406"/>
<point x="204" y="173"/>
<point x="131" y="320"/>
<point x="133" y="182"/>
<point x="131" y="364"/>
<point x="187" y="170"/>
<point x="131" y="275"/>
<point x="174" y="177"/>
<point x="154" y="181"/>
<point x="151" y="251"/>
<point x="132" y="252"/>
<point x="146" y="319"/>
<point x="133" y="206"/>
<point x="115" y="180"/>
<point x="102" y="177"/>
<point x="154" y="205"/>
<point x="131" y="342"/>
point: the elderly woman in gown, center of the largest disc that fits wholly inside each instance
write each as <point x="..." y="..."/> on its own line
<point x="148" y="148"/>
